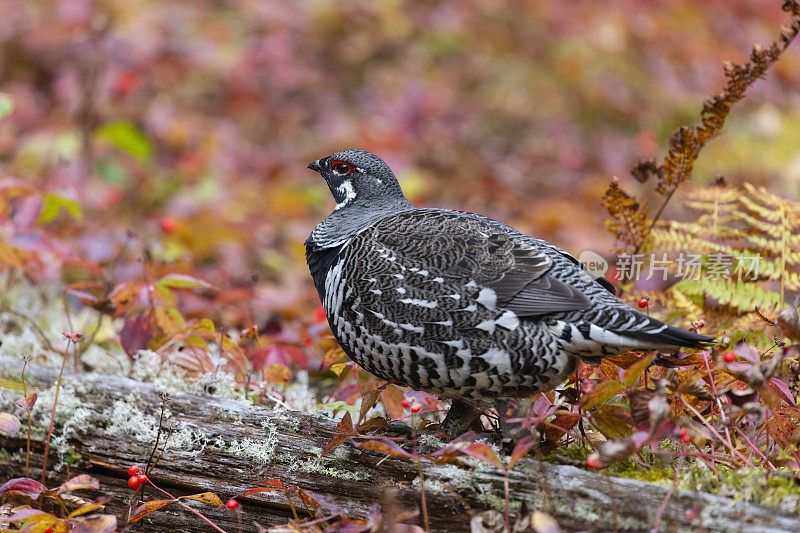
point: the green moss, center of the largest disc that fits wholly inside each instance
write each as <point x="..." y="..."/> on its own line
<point x="499" y="502"/>
<point x="576" y="451"/>
<point x="753" y="485"/>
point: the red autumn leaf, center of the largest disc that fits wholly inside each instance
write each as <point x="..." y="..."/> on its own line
<point x="561" y="424"/>
<point x="372" y="424"/>
<point x="273" y="482"/>
<point x="483" y="452"/>
<point x="259" y="490"/>
<point x="522" y="447"/>
<point x="205" y="497"/>
<point x="392" y="398"/>
<point x="346" y="424"/>
<point x="385" y="446"/>
<point x="147" y="508"/>
<point x="23" y="485"/>
<point x="27" y="402"/>
<point x="782" y="389"/>
<point x="782" y="423"/>
<point x="82" y="481"/>
<point x="308" y="499"/>
<point x="367" y="402"/>
<point x="335" y="442"/>
<point x="136" y="333"/>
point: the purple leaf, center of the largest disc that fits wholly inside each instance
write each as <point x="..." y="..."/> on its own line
<point x="9" y="424"/>
<point x="136" y="333"/>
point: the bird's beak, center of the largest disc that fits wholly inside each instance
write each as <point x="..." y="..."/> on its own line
<point x="316" y="166"/>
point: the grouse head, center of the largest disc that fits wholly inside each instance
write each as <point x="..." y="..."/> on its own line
<point x="358" y="178"/>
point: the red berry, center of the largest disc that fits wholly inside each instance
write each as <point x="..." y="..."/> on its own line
<point x="686" y="439"/>
<point x="128" y="82"/>
<point x="406" y="402"/>
<point x="690" y="515"/>
<point x="168" y="225"/>
<point x="133" y="482"/>
<point x="729" y="357"/>
<point x="142" y="479"/>
<point x="415" y="407"/>
<point x="591" y="463"/>
<point x="232" y="504"/>
<point x="644" y="302"/>
<point x="132" y="471"/>
<point x="682" y="432"/>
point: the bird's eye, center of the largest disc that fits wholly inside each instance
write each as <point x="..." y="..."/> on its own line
<point x="341" y="168"/>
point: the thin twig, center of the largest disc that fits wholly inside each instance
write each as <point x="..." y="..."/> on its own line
<point x="758" y="452"/>
<point x="508" y="497"/>
<point x="179" y="502"/>
<point x="718" y="401"/>
<point x="423" y="502"/>
<point x="656" y="217"/>
<point x="53" y="412"/>
<point x="71" y="327"/>
<point x="668" y="495"/>
<point x="716" y="434"/>
<point x="28" y="411"/>
<point x="161" y="404"/>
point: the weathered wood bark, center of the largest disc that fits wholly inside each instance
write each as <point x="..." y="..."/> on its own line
<point x="578" y="499"/>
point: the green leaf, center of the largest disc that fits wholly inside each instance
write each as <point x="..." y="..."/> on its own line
<point x="637" y="368"/>
<point x="6" y="105"/>
<point x="112" y="172"/>
<point x="602" y="392"/>
<point x="338" y="406"/>
<point x="53" y="204"/>
<point x="11" y="384"/>
<point x="126" y="137"/>
<point x="182" y="281"/>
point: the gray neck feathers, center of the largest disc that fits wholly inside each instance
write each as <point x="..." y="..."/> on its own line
<point x="355" y="217"/>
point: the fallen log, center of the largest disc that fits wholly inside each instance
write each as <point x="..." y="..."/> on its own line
<point x="227" y="446"/>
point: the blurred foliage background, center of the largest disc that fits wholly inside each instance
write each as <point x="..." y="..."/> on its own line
<point x="179" y="131"/>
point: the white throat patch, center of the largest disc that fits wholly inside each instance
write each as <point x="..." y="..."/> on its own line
<point x="345" y="188"/>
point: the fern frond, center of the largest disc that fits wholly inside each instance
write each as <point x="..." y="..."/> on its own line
<point x="737" y="294"/>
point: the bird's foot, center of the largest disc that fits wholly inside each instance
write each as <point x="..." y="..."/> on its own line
<point x="510" y="432"/>
<point x="459" y="418"/>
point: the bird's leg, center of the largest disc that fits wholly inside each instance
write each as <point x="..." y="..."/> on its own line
<point x="501" y="406"/>
<point x="510" y="433"/>
<point x="459" y="418"/>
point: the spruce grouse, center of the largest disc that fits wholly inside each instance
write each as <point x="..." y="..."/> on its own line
<point x="458" y="304"/>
